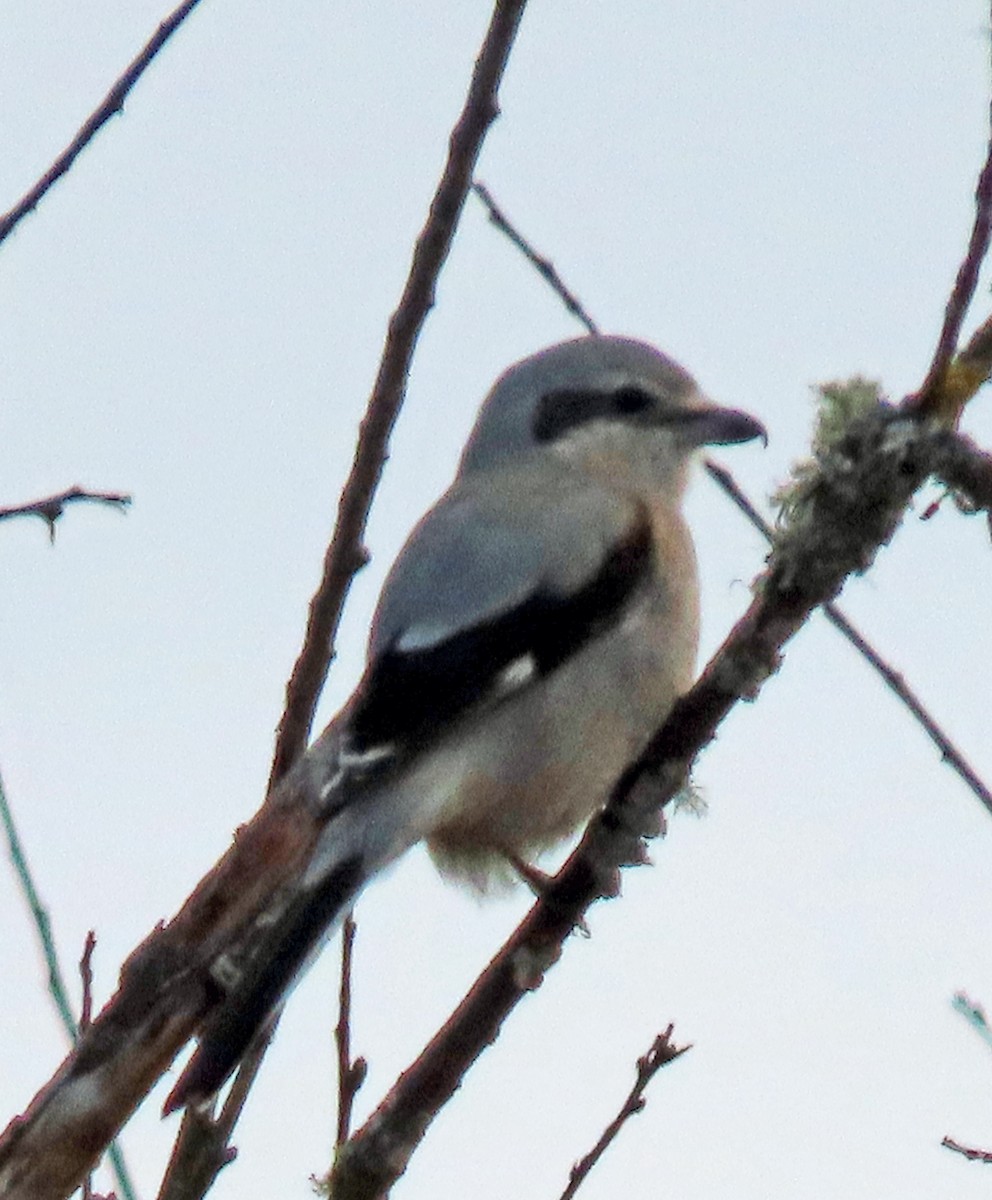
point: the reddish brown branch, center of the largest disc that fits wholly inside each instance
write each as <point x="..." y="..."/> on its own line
<point x="86" y="978"/>
<point x="201" y="1150"/>
<point x="345" y="555"/>
<point x="351" y="1072"/>
<point x="111" y="104"/>
<point x="85" y="1018"/>
<point x="934" y="398"/>
<point x="971" y="1152"/>
<point x="51" y="508"/>
<point x="661" y="1053"/>
<point x="541" y="264"/>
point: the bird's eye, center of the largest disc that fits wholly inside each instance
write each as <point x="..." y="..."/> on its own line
<point x="629" y="400"/>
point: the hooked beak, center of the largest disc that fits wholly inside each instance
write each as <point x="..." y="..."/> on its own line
<point x="710" y="425"/>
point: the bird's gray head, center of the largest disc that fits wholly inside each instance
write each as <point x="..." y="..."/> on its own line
<point x="581" y="397"/>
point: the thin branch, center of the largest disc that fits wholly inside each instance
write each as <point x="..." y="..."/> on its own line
<point x="544" y="266"/>
<point x="345" y="555"/>
<point x="56" y="983"/>
<point x="351" y="1072"/>
<point x="201" y="1150"/>
<point x="39" y="913"/>
<point x="86" y="979"/>
<point x="198" y="1157"/>
<point x="894" y="680"/>
<point x="111" y="104"/>
<point x="86" y="1015"/>
<point x="939" y="396"/>
<point x="971" y="1152"/>
<point x="974" y="1014"/>
<point x="661" y="1053"/>
<point x="50" y="508"/>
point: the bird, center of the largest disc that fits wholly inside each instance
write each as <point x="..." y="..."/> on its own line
<point x="534" y="631"/>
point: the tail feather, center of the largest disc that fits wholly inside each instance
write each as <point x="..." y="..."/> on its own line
<point x="295" y="936"/>
<point x="383" y="814"/>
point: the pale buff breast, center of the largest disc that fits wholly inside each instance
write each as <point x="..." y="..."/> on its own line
<point x="531" y="772"/>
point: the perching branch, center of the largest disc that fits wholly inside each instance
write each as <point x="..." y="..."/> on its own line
<point x="662" y="1052"/>
<point x="51" y="508"/>
<point x="853" y="505"/>
<point x="857" y="498"/>
<point x="111" y="104"/>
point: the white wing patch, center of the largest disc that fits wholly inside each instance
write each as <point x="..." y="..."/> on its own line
<point x="515" y="675"/>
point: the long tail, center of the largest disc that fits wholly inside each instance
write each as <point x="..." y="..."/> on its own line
<point x="247" y="1006"/>
<point x="367" y="834"/>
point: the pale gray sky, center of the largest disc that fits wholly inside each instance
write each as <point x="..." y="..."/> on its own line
<point x="775" y="194"/>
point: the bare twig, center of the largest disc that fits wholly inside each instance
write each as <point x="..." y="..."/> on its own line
<point x="897" y="684"/>
<point x="345" y="555"/>
<point x="661" y="1053"/>
<point x="86" y="978"/>
<point x="974" y="1014"/>
<point x="86" y="1016"/>
<point x="894" y="680"/>
<point x="201" y="1151"/>
<point x="50" y="508"/>
<point x="111" y="104"/>
<point x="544" y="266"/>
<point x="40" y="916"/>
<point x="971" y="1152"/>
<point x="943" y="395"/>
<point x="198" y="1157"/>
<point x="351" y="1073"/>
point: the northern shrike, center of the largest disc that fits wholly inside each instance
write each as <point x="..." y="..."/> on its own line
<point x="533" y="633"/>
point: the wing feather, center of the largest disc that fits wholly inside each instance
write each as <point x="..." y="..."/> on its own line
<point x="495" y="588"/>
